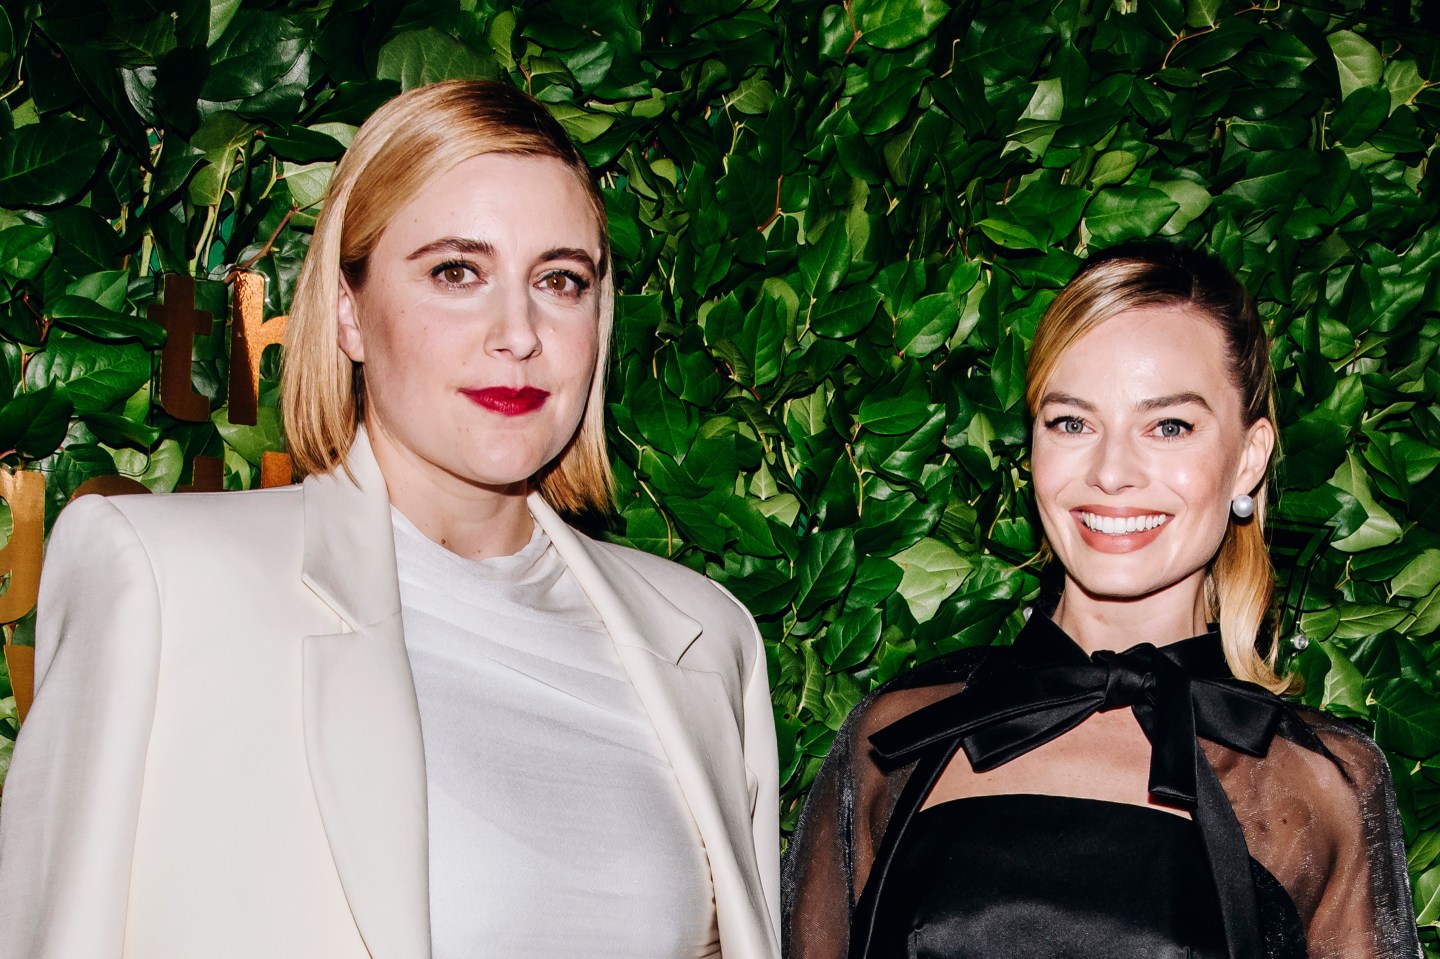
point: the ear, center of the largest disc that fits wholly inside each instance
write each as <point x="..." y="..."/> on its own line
<point x="1255" y="457"/>
<point x="347" y="330"/>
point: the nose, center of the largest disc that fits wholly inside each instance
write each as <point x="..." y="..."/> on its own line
<point x="1114" y="464"/>
<point x="513" y="329"/>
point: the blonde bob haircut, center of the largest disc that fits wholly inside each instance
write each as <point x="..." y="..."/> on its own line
<point x="406" y="144"/>
<point x="1240" y="588"/>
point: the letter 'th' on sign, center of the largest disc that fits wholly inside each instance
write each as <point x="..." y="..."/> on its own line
<point x="250" y="333"/>
<point x="182" y="322"/>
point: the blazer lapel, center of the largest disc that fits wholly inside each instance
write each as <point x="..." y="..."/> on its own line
<point x="693" y="717"/>
<point x="362" y="724"/>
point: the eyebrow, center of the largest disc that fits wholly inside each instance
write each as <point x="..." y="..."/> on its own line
<point x="454" y="244"/>
<point x="1154" y="403"/>
<point x="461" y="244"/>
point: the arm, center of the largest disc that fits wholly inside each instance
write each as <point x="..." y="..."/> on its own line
<point x="1364" y="907"/>
<point x="762" y="766"/>
<point x="72" y="798"/>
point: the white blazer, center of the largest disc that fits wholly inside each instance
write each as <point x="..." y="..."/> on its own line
<point x="224" y="760"/>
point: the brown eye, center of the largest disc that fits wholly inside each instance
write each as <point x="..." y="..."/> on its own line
<point x="556" y="282"/>
<point x="453" y="274"/>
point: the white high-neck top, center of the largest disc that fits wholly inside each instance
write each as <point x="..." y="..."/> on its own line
<point x="557" y="827"/>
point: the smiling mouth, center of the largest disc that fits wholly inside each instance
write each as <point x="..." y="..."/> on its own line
<point x="507" y="401"/>
<point x="1122" y="525"/>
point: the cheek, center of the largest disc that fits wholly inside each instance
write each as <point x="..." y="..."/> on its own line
<point x="1048" y="471"/>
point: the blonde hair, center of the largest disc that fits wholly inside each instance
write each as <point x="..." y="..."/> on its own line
<point x="405" y="145"/>
<point x="1241" y="584"/>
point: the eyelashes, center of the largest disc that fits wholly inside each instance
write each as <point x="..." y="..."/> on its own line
<point x="1170" y="428"/>
<point x="462" y="274"/>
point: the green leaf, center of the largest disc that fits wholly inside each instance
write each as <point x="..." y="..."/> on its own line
<point x="33" y="424"/>
<point x="1112" y="168"/>
<point x="1379" y="528"/>
<point x="1419" y="577"/>
<point x="95" y="376"/>
<point x="1360" y="115"/>
<point x="1007" y="372"/>
<point x="48" y="162"/>
<point x="895" y="24"/>
<point x="852" y="638"/>
<point x="159" y="469"/>
<point x="930" y="572"/>
<point x="257" y="50"/>
<point x="875" y="579"/>
<point x="1343" y="683"/>
<point x="1010" y="235"/>
<point x="115" y="430"/>
<point x="1357" y="59"/>
<point x="251" y="442"/>
<point x="25" y="249"/>
<point x="417" y="57"/>
<point x="1364" y="621"/>
<point x="825" y="262"/>
<point x="926" y="325"/>
<point x="1407" y="719"/>
<point x="1125" y="213"/>
<point x="79" y="315"/>
<point x="827" y="561"/>
<point x="846" y="313"/>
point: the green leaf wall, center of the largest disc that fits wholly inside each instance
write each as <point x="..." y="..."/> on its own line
<point x="836" y="226"/>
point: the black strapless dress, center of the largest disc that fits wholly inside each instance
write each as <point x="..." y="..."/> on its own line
<point x="1046" y="877"/>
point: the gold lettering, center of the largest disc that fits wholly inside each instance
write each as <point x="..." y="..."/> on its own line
<point x="207" y="475"/>
<point x="24" y="490"/>
<point x="250" y="333"/>
<point x="182" y="321"/>
<point x="275" y="470"/>
<point x="111" y="485"/>
<point x="20" y="660"/>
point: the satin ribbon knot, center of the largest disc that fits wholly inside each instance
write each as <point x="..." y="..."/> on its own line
<point x="1129" y="677"/>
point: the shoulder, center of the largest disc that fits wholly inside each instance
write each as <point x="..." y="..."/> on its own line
<point x="198" y="527"/>
<point x="1350" y="754"/>
<point x="926" y="683"/>
<point x="695" y="595"/>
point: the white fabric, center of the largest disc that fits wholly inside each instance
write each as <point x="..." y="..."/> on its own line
<point x="556" y="824"/>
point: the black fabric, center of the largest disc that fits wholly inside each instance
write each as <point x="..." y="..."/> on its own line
<point x="1045" y="877"/>
<point x="1176" y="693"/>
<point x="1317" y="809"/>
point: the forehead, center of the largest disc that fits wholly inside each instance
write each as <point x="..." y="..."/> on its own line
<point x="503" y="198"/>
<point x="1148" y="352"/>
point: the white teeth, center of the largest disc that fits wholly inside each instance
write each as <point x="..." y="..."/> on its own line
<point x="1120" y="525"/>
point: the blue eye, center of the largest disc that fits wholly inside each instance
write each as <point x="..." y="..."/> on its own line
<point x="1172" y="429"/>
<point x="1072" y="425"/>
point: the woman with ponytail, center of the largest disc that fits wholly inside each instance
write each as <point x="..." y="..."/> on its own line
<point x="1124" y="781"/>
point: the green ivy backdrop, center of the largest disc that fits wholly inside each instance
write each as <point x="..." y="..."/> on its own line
<point x="836" y="225"/>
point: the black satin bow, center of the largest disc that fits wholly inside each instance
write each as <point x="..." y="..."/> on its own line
<point x="1049" y="686"/>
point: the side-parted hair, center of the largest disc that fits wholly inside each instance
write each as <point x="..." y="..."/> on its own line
<point x="405" y="145"/>
<point x="1241" y="585"/>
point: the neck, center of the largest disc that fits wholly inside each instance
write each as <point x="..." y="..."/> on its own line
<point x="1102" y="622"/>
<point x="468" y="519"/>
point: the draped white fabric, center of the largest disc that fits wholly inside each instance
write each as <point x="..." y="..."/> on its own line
<point x="557" y="828"/>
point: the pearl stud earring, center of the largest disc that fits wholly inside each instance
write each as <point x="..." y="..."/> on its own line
<point x="1243" y="506"/>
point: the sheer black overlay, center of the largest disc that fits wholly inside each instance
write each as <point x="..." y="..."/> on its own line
<point x="1295" y="810"/>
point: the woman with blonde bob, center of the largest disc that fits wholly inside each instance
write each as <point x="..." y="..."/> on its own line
<point x="402" y="709"/>
<point x="1123" y="782"/>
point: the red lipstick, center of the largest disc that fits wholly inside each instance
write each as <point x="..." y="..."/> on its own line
<point x="507" y="401"/>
